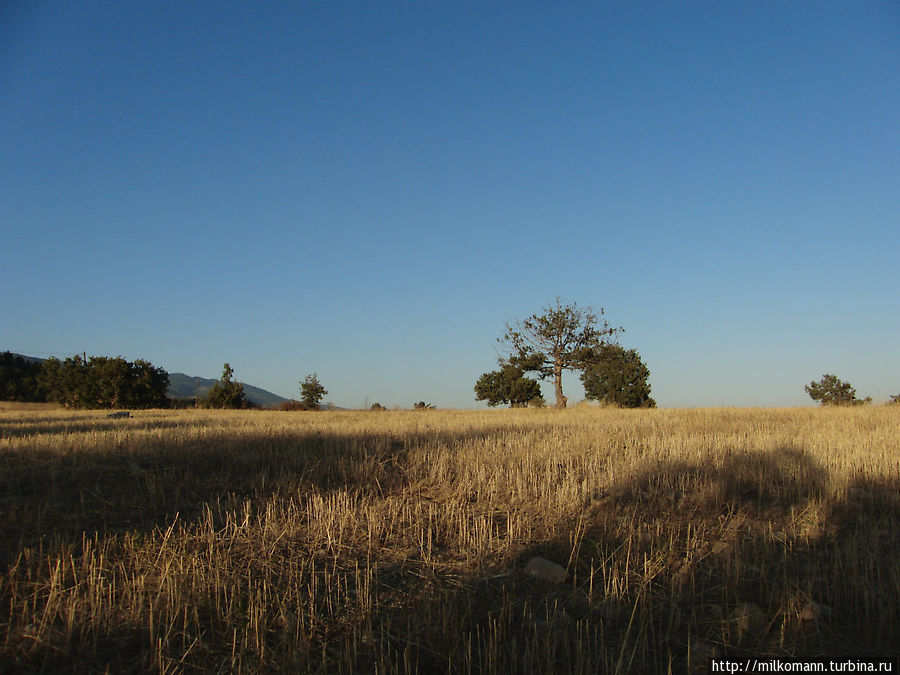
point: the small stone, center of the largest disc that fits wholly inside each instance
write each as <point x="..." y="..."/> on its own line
<point x="541" y="568"/>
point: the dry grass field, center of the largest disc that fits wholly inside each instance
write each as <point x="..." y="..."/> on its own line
<point x="345" y="542"/>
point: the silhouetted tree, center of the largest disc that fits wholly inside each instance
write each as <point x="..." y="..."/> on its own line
<point x="312" y="392"/>
<point x="20" y="379"/>
<point x="226" y="393"/>
<point x="563" y="337"/>
<point x="832" y="391"/>
<point x="619" y="377"/>
<point x="507" y="385"/>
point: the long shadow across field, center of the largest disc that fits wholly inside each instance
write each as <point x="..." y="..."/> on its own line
<point x="54" y="498"/>
<point x="665" y="568"/>
<point x="725" y="558"/>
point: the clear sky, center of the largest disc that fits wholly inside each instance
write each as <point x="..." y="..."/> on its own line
<point x="369" y="190"/>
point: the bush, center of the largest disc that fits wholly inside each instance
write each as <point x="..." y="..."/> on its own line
<point x="294" y="405"/>
<point x="421" y="405"/>
<point x="832" y="391"/>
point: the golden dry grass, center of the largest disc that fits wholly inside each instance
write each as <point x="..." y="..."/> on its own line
<point x="185" y="541"/>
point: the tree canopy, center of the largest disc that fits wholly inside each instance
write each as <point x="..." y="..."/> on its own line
<point x="618" y="376"/>
<point x="830" y="390"/>
<point x="20" y="379"/>
<point x="312" y="392"/>
<point x="104" y="382"/>
<point x="507" y="385"/>
<point x="226" y="393"/>
<point x="562" y="337"/>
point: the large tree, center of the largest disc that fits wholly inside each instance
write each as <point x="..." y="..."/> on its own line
<point x="618" y="376"/>
<point x="563" y="337"/>
<point x="507" y="385"/>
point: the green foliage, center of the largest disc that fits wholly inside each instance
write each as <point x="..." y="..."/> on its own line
<point x="832" y="391"/>
<point x="377" y="407"/>
<point x="563" y="337"/>
<point x="312" y="392"/>
<point x="618" y="376"/>
<point x="226" y="393"/>
<point x="421" y="405"/>
<point x="20" y="379"/>
<point x="104" y="382"/>
<point x="507" y="385"/>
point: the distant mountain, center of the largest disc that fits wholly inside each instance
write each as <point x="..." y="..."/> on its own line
<point x="188" y="386"/>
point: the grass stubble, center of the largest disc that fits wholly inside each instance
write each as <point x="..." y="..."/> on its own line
<point x="345" y="542"/>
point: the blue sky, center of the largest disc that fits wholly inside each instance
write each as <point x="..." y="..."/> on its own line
<point x="370" y="190"/>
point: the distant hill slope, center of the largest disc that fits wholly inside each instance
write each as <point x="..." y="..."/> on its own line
<point x="188" y="386"/>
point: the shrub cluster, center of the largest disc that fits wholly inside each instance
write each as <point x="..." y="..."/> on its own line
<point x="104" y="382"/>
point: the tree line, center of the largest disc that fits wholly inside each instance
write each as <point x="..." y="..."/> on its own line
<point x="84" y="382"/>
<point x="562" y="337"/>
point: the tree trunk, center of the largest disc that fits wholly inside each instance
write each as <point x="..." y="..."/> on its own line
<point x="557" y="377"/>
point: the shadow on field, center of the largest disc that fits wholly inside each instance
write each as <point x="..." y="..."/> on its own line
<point x="743" y="554"/>
<point x="56" y="426"/>
<point x="741" y="557"/>
<point x="54" y="497"/>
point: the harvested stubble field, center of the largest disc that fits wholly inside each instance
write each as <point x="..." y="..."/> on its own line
<point x="343" y="542"/>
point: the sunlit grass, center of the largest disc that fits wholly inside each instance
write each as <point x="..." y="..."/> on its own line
<point x="396" y="541"/>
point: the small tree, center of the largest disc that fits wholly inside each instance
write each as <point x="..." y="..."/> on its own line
<point x="618" y="376"/>
<point x="226" y="393"/>
<point x="507" y="385"/>
<point x="312" y="392"/>
<point x="563" y="337"/>
<point x="832" y="391"/>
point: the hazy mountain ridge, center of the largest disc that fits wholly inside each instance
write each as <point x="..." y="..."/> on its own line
<point x="188" y="386"/>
